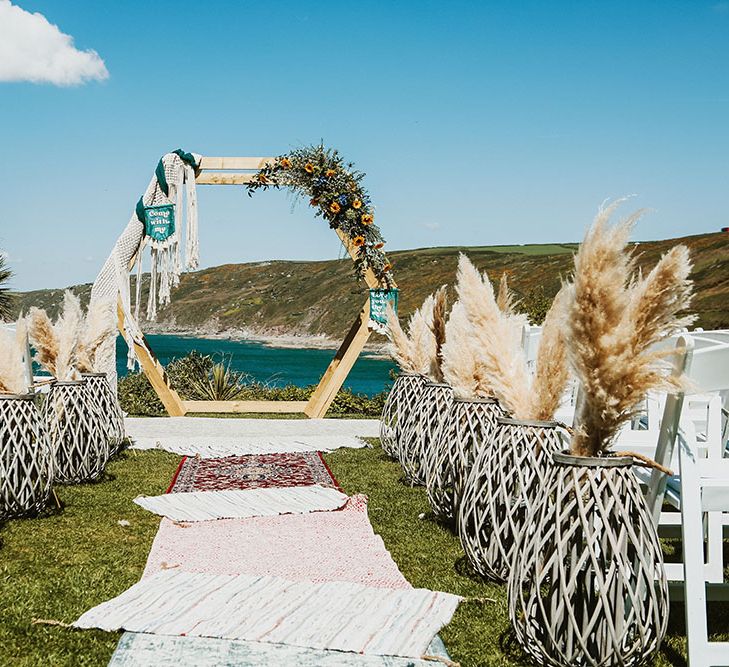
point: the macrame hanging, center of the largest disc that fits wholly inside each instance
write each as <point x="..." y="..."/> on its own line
<point x="165" y="189"/>
<point x="161" y="215"/>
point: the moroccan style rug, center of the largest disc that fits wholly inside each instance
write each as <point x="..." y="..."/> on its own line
<point x="256" y="471"/>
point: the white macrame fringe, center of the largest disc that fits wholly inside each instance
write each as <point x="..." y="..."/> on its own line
<point x="192" y="247"/>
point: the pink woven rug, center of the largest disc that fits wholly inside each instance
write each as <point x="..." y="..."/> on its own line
<point x="318" y="547"/>
<point x="254" y="471"/>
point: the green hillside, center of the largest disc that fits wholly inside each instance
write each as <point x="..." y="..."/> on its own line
<point x="284" y="297"/>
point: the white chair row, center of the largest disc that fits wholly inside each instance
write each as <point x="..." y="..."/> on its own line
<point x="686" y="432"/>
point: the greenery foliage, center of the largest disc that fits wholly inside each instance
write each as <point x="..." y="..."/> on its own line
<point x="535" y="304"/>
<point x="335" y="190"/>
<point x="198" y="377"/>
<point x="6" y="298"/>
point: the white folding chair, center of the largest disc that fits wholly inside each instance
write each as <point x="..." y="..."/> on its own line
<point x="530" y="337"/>
<point x="704" y="486"/>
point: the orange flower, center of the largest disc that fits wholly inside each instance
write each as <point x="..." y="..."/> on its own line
<point x="387" y="267"/>
<point x="285" y="163"/>
<point x="368" y="219"/>
<point x="357" y="203"/>
<point x="309" y="168"/>
<point x="379" y="245"/>
<point x="314" y="202"/>
<point x="358" y="241"/>
<point x="330" y="172"/>
<point x="334" y="207"/>
<point x="262" y="177"/>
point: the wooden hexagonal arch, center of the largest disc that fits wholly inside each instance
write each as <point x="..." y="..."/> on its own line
<point x="240" y="171"/>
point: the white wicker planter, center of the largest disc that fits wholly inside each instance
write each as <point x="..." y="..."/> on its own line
<point x="26" y="459"/>
<point x="401" y="400"/>
<point x="466" y="428"/>
<point x="422" y="430"/>
<point x="112" y="419"/>
<point x="588" y="585"/>
<point x="74" y="425"/>
<point x="506" y="480"/>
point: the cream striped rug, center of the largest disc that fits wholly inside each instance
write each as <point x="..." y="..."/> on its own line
<point x="239" y="504"/>
<point x="337" y="615"/>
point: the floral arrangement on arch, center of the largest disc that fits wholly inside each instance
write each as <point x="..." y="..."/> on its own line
<point x="335" y="190"/>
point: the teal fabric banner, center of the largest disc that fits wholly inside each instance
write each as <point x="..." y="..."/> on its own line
<point x="379" y="298"/>
<point x="159" y="222"/>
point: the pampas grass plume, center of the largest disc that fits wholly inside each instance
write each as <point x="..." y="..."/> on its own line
<point x="615" y="319"/>
<point x="68" y="328"/>
<point x="440" y="313"/>
<point x="457" y="354"/>
<point x="497" y="337"/>
<point x="422" y="339"/>
<point x="400" y="344"/>
<point x="552" y="368"/>
<point x="98" y="336"/>
<point x="12" y="369"/>
<point x="44" y="339"/>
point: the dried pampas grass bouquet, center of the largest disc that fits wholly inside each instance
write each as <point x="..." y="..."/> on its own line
<point x="56" y="342"/>
<point x="616" y="317"/>
<point x="13" y="379"/>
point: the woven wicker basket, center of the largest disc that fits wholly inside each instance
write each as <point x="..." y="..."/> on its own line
<point x="423" y="429"/>
<point x="112" y="418"/>
<point x="26" y="459"/>
<point x="467" y="426"/>
<point x="505" y="482"/>
<point x="588" y="585"/>
<point x="74" y="425"/>
<point x="401" y="400"/>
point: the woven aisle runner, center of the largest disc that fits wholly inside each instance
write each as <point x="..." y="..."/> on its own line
<point x="319" y="547"/>
<point x="215" y="438"/>
<point x="338" y="615"/>
<point x="143" y="650"/>
<point x="232" y="504"/>
<point x="335" y="546"/>
<point x="251" y="472"/>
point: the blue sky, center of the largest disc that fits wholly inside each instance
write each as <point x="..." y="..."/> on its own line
<point x="476" y="122"/>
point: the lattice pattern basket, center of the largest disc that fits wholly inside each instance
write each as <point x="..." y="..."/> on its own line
<point x="112" y="418"/>
<point x="423" y="429"/>
<point x="507" y="478"/>
<point x="401" y="400"/>
<point x="588" y="585"/>
<point x="26" y="459"/>
<point x="467" y="426"/>
<point x="74" y="425"/>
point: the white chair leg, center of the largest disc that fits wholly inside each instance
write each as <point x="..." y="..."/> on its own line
<point x="701" y="653"/>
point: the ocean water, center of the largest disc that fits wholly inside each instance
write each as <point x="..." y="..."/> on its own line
<point x="273" y="365"/>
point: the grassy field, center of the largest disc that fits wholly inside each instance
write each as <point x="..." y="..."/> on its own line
<point x="58" y="566"/>
<point x="282" y="297"/>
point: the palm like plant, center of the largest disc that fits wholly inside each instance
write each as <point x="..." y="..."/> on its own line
<point x="221" y="384"/>
<point x="6" y="297"/>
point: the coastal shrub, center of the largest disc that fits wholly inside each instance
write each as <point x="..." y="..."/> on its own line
<point x="193" y="377"/>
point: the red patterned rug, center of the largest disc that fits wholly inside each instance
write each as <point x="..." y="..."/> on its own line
<point x="257" y="471"/>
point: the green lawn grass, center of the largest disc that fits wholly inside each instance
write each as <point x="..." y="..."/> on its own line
<point x="58" y="566"/>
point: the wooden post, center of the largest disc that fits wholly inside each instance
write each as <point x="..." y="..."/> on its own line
<point x="334" y="377"/>
<point x="155" y="373"/>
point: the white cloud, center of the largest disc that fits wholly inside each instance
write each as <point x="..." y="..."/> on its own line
<point x="432" y="226"/>
<point x="32" y="49"/>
